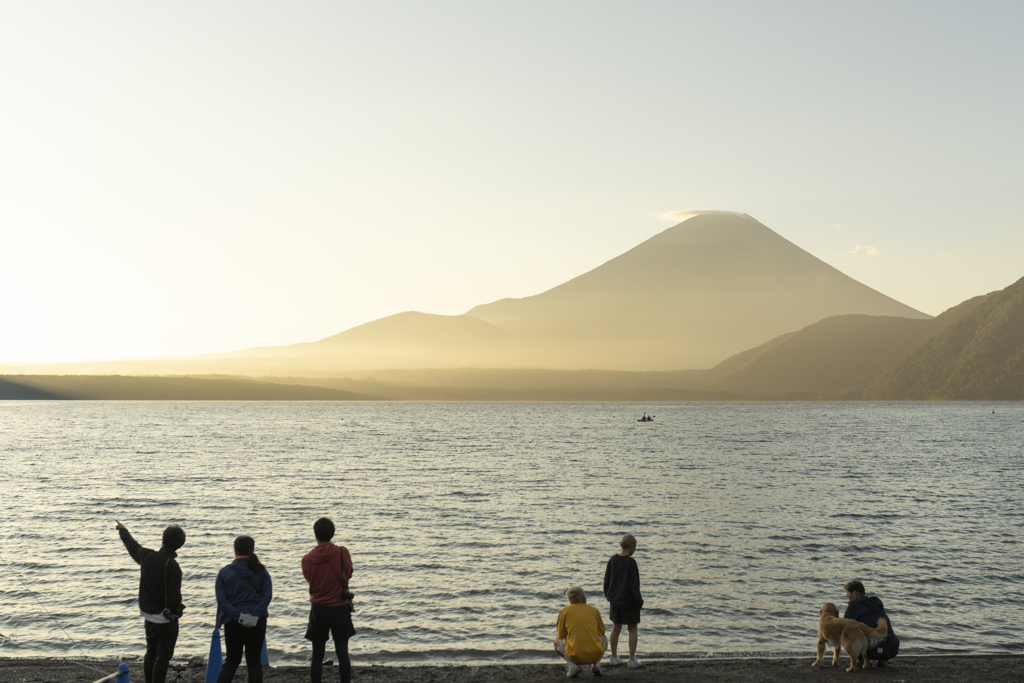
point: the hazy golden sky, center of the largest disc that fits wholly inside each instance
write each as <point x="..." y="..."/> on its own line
<point x="189" y="177"/>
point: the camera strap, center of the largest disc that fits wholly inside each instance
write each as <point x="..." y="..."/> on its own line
<point x="341" y="565"/>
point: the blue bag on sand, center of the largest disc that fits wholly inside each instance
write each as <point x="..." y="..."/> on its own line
<point x="215" y="660"/>
<point x="264" y="657"/>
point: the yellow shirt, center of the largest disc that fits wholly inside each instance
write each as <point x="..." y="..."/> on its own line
<point x="580" y="625"/>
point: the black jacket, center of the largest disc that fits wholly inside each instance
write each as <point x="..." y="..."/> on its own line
<point x="868" y="611"/>
<point x="160" y="583"/>
<point x="622" y="583"/>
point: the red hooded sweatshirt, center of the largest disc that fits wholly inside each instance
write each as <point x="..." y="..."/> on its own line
<point x="328" y="569"/>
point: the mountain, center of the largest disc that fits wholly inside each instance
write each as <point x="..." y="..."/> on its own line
<point x="979" y="357"/>
<point x="689" y="297"/>
<point x="833" y="358"/>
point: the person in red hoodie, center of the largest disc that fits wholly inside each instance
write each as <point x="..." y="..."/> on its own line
<point x="328" y="569"/>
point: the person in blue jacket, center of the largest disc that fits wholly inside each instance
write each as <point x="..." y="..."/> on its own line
<point x="244" y="592"/>
<point x="868" y="610"/>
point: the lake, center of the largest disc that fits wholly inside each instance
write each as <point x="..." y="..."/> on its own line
<point x="467" y="521"/>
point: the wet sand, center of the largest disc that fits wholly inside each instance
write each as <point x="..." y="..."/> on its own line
<point x="904" y="669"/>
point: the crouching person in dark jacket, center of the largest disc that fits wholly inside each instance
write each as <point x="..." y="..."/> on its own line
<point x="244" y="592"/>
<point x="868" y="611"/>
<point x="159" y="597"/>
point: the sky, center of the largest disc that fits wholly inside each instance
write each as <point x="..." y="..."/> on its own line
<point x="192" y="177"/>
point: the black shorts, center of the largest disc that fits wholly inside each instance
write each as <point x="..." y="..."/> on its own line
<point x="624" y="615"/>
<point x="324" y="620"/>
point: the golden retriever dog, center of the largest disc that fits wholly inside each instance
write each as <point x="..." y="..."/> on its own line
<point x="854" y="637"/>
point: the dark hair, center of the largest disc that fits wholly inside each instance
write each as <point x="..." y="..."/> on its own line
<point x="246" y="547"/>
<point x="855" y="587"/>
<point x="323" y="528"/>
<point x="174" y="537"/>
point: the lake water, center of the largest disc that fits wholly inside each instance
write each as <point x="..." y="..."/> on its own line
<point x="467" y="521"/>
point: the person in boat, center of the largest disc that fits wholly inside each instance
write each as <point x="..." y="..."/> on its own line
<point x="244" y="592"/>
<point x="580" y="638"/>
<point x="868" y="610"/>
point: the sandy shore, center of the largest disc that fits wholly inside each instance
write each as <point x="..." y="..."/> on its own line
<point x="965" y="669"/>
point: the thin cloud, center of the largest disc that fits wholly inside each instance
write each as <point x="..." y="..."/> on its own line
<point x="868" y="250"/>
<point x="679" y="216"/>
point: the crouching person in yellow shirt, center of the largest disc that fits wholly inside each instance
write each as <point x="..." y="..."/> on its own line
<point x="581" y="638"/>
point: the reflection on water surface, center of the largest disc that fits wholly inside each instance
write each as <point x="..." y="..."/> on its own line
<point x="467" y="522"/>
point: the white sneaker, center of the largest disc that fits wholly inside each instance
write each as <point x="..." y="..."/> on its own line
<point x="634" y="664"/>
<point x="614" y="661"/>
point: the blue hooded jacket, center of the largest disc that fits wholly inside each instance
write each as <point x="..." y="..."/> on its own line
<point x="241" y="590"/>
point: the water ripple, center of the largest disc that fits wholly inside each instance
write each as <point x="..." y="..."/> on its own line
<point x="467" y="522"/>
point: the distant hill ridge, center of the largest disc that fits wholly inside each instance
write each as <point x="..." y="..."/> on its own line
<point x="119" y="388"/>
<point x="979" y="357"/>
<point x="833" y="358"/>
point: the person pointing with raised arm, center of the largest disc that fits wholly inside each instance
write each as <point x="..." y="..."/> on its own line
<point x="159" y="597"/>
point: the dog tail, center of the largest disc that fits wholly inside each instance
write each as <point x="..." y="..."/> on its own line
<point x="882" y="629"/>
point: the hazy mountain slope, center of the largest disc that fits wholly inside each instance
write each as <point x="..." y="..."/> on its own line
<point x="13" y="390"/>
<point x="119" y="388"/>
<point x="522" y="385"/>
<point x="690" y="297"/>
<point x="409" y="339"/>
<point x="431" y="331"/>
<point x="979" y="357"/>
<point x="832" y="357"/>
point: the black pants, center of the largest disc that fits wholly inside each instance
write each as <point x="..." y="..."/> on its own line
<point x="338" y="622"/>
<point x="889" y="648"/>
<point x="237" y="638"/>
<point x="160" y="640"/>
<point x="316" y="667"/>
